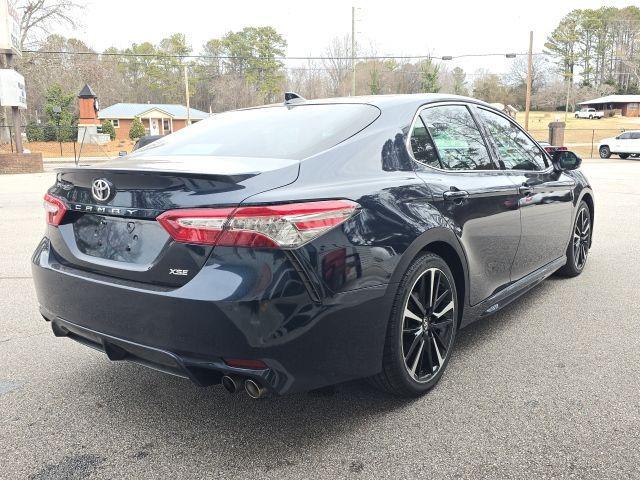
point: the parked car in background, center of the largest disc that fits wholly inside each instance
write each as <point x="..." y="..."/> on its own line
<point x="550" y="148"/>
<point x="625" y="145"/>
<point x="291" y="246"/>
<point x="146" y="140"/>
<point x="590" y="113"/>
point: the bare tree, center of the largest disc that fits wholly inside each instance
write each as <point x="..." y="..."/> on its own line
<point x="517" y="76"/>
<point x="338" y="64"/>
<point x="38" y="16"/>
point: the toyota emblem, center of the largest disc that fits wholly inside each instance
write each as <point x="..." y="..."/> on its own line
<point x="101" y="190"/>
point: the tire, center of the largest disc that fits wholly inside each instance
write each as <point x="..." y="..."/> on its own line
<point x="576" y="115"/>
<point x="623" y="156"/>
<point x="427" y="336"/>
<point x="605" y="152"/>
<point x="590" y="117"/>
<point x="578" y="249"/>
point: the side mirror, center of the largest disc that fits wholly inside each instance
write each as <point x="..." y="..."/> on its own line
<point x="565" y="160"/>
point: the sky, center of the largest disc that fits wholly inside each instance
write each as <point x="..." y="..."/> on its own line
<point x="387" y="27"/>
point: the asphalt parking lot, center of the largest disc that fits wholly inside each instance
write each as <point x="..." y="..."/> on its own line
<point x="547" y="388"/>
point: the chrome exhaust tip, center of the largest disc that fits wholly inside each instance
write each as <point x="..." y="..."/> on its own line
<point x="253" y="389"/>
<point x="232" y="383"/>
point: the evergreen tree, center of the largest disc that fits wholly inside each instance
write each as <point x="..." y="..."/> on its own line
<point x="137" y="129"/>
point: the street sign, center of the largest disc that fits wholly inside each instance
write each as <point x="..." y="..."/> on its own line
<point x="10" y="27"/>
<point x="13" y="92"/>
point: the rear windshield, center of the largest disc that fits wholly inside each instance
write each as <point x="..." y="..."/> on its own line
<point x="288" y="132"/>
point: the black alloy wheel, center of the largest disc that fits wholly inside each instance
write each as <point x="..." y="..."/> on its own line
<point x="581" y="238"/>
<point x="578" y="250"/>
<point x="422" y="328"/>
<point x="605" y="152"/>
<point x="427" y="330"/>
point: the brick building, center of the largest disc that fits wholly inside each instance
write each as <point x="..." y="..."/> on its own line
<point x="158" y="119"/>
<point x="626" y="105"/>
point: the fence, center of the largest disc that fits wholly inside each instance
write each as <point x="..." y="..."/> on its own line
<point x="59" y="144"/>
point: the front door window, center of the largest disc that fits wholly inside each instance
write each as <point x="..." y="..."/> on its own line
<point x="517" y="151"/>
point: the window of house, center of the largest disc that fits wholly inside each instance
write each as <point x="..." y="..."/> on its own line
<point x="457" y="138"/>
<point x="115" y="122"/>
<point x="517" y="150"/>
<point x="166" y="125"/>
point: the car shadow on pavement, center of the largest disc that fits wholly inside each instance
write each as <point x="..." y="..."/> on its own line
<point x="169" y="410"/>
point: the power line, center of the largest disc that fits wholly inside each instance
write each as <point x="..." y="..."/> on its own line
<point x="282" y="58"/>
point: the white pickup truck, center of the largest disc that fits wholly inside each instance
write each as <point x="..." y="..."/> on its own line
<point x="589" y="113"/>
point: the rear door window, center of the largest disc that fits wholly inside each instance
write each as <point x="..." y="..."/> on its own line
<point x="457" y="138"/>
<point x="422" y="145"/>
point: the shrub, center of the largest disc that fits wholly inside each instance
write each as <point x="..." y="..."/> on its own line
<point x="35" y="132"/>
<point x="68" y="133"/>
<point x="137" y="129"/>
<point x="107" y="127"/>
<point x="50" y="132"/>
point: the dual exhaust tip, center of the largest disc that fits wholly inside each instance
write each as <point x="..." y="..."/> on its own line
<point x="235" y="383"/>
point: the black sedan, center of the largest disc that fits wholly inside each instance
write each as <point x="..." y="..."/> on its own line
<point x="297" y="245"/>
<point x="145" y="140"/>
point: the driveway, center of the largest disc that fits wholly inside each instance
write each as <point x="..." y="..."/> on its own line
<point x="547" y="388"/>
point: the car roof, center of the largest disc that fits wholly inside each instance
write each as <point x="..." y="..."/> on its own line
<point x="397" y="99"/>
<point x="409" y="100"/>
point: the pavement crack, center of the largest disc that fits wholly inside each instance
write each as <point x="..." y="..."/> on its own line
<point x="21" y="337"/>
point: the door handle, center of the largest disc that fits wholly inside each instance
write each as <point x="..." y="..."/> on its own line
<point x="455" y="195"/>
<point x="525" y="189"/>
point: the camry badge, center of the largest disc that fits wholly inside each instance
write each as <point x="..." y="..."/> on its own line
<point x="101" y="190"/>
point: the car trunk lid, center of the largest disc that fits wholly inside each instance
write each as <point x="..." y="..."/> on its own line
<point x="111" y="229"/>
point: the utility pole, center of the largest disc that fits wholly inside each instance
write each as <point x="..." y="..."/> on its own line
<point x="186" y="93"/>
<point x="353" y="51"/>
<point x="15" y="115"/>
<point x="529" y="82"/>
<point x="566" y="106"/>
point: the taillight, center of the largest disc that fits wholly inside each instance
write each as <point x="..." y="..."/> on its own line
<point x="274" y="226"/>
<point x="195" y="225"/>
<point x="54" y="209"/>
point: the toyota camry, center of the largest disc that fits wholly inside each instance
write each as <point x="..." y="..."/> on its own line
<point x="297" y="245"/>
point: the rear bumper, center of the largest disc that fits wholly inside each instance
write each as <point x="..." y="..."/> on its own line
<point x="203" y="373"/>
<point x="253" y="309"/>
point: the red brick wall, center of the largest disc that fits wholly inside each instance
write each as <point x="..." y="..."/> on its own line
<point x="122" y="132"/>
<point x="88" y="115"/>
<point x="16" y="163"/>
<point x="178" y="124"/>
<point x="630" y="110"/>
